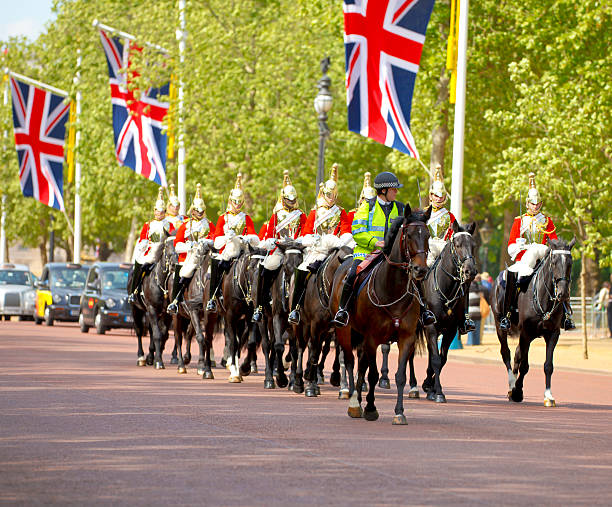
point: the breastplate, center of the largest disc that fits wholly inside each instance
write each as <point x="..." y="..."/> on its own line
<point x="198" y="229"/>
<point x="532" y="227"/>
<point x="329" y="224"/>
<point x="438" y="225"/>
<point x="291" y="228"/>
<point x="234" y="223"/>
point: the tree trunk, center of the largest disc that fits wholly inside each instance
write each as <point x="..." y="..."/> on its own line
<point x="592" y="276"/>
<point x="129" y="246"/>
<point x="440" y="133"/>
<point x="104" y="252"/>
<point x="585" y="350"/>
<point x="42" y="248"/>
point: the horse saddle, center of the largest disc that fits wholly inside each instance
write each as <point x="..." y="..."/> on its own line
<point x="365" y="269"/>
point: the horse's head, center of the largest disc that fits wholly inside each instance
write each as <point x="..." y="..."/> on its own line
<point x="293" y="252"/>
<point x="408" y="241"/>
<point x="462" y="247"/>
<point x="561" y="267"/>
<point x="169" y="253"/>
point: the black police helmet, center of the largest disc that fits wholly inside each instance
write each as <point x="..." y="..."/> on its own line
<point x="386" y="179"/>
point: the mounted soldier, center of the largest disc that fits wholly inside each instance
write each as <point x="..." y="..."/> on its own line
<point x="195" y="229"/>
<point x="441" y="231"/>
<point x="527" y="245"/>
<point x="287" y="221"/>
<point x="173" y="208"/>
<point x="149" y="243"/>
<point x="327" y="227"/>
<point x="367" y="192"/>
<point x="231" y="228"/>
<point x="371" y="222"/>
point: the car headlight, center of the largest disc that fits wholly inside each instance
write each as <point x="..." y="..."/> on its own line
<point x="57" y="298"/>
<point x="110" y="302"/>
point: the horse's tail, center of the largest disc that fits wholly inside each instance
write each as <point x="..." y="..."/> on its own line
<point x="420" y="344"/>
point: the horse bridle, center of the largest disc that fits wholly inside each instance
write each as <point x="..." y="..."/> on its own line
<point x="406" y="251"/>
<point x="555" y="298"/>
<point x="458" y="261"/>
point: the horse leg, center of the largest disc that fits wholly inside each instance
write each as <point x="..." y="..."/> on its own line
<point x="414" y="390"/>
<point x="362" y="367"/>
<point x="343" y="393"/>
<point x="298" y="383"/>
<point x="150" y="359"/>
<point x="369" y="357"/>
<point x="156" y="337"/>
<point x="438" y="359"/>
<point x="279" y="347"/>
<point x="178" y="345"/>
<point x="199" y="335"/>
<point x="551" y="343"/>
<point x="432" y="348"/>
<point x="313" y="358"/>
<point x="521" y="363"/>
<point x="140" y="330"/>
<point x="405" y="350"/>
<point x="334" y="378"/>
<point x="504" y="350"/>
<point x="354" y="408"/>
<point x="246" y="368"/>
<point x="234" y="355"/>
<point x="384" y="370"/>
<point x="265" y="349"/>
<point x="321" y="365"/>
<point x="174" y="359"/>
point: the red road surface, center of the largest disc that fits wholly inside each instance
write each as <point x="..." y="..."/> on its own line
<point x="80" y="423"/>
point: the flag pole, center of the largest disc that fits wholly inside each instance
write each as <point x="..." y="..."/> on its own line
<point x="126" y="35"/>
<point x="459" y="129"/>
<point x="77" y="168"/>
<point x="34" y="82"/>
<point x="181" y="36"/>
<point x="3" y="219"/>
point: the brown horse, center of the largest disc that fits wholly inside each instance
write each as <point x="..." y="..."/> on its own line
<point x="315" y="329"/>
<point x="387" y="307"/>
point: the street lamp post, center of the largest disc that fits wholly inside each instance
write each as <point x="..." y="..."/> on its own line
<point x="322" y="105"/>
<point x="486" y="232"/>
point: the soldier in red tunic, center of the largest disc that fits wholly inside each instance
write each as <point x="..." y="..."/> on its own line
<point x="173" y="208"/>
<point x="149" y="243"/>
<point x="287" y="221"/>
<point x="367" y="192"/>
<point x="232" y="227"/>
<point x="197" y="228"/>
<point x="328" y="226"/>
<point x="526" y="246"/>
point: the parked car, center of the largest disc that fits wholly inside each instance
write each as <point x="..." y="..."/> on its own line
<point x="17" y="292"/>
<point x="58" y="292"/>
<point x="104" y="301"/>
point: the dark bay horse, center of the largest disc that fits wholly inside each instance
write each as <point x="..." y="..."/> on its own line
<point x="149" y="307"/>
<point x="315" y="328"/>
<point x="540" y="313"/>
<point x="237" y="290"/>
<point x="444" y="289"/>
<point x="388" y="306"/>
<point x="193" y="318"/>
<point x="275" y="328"/>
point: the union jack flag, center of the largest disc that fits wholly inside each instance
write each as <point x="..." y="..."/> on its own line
<point x="383" y="41"/>
<point x="140" y="143"/>
<point x="39" y="121"/>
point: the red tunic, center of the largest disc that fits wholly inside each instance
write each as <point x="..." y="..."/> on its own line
<point x="344" y="226"/>
<point x="184" y="234"/>
<point x="146" y="231"/>
<point x="515" y="233"/>
<point x="263" y="230"/>
<point x="271" y="229"/>
<point x="249" y="227"/>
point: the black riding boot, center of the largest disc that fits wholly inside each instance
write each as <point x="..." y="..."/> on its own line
<point x="216" y="275"/>
<point x="468" y="324"/>
<point x="136" y="282"/>
<point x="265" y="278"/>
<point x="342" y="316"/>
<point x="299" y="291"/>
<point x="504" y="323"/>
<point x="568" y="323"/>
<point x="182" y="285"/>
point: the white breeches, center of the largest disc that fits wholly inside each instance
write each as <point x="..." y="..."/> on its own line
<point x="274" y="260"/>
<point x="435" y="249"/>
<point x="232" y="249"/>
<point x="319" y="249"/>
<point x="141" y="256"/>
<point x="532" y="255"/>
<point x="191" y="263"/>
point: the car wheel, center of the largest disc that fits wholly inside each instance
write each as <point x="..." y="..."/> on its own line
<point x="47" y="318"/>
<point x="84" y="327"/>
<point x="100" y="329"/>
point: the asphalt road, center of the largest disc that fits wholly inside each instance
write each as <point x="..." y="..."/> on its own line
<point x="80" y="424"/>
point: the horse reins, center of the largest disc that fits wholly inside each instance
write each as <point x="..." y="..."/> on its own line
<point x="458" y="262"/>
<point x="556" y="301"/>
<point x="406" y="251"/>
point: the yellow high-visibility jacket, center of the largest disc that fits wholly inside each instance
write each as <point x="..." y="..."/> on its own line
<point x="370" y="225"/>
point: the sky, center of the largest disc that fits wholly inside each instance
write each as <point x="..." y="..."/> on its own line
<point x="24" y="17"/>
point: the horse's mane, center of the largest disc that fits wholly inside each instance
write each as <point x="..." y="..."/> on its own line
<point x="558" y="244"/>
<point x="417" y="215"/>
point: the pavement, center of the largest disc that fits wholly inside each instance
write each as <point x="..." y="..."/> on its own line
<point x="569" y="352"/>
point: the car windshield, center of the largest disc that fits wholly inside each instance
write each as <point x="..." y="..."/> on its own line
<point x="14" y="277"/>
<point x="115" y="279"/>
<point x="68" y="278"/>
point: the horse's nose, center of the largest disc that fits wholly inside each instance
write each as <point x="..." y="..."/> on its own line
<point x="419" y="272"/>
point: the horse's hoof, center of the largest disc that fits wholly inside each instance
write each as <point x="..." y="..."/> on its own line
<point x="149" y="360"/>
<point x="269" y="384"/>
<point x="235" y="379"/>
<point x="208" y="375"/>
<point x="334" y="379"/>
<point x="399" y="420"/>
<point x="355" y="412"/>
<point x="414" y="393"/>
<point x="384" y="383"/>
<point x="440" y="398"/>
<point x="370" y="415"/>
<point x="186" y="360"/>
<point x="516" y="395"/>
<point x="174" y="360"/>
<point x="245" y="371"/>
<point x="223" y="363"/>
<point x="182" y="370"/>
<point x="142" y="361"/>
<point x="509" y="394"/>
<point x="298" y="389"/>
<point x="549" y="403"/>
<point x="201" y="371"/>
<point x="318" y="390"/>
<point x="159" y="366"/>
<point x="343" y="394"/>
<point x="282" y="381"/>
<point x="310" y="392"/>
<point x="431" y="396"/>
<point x="254" y="368"/>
